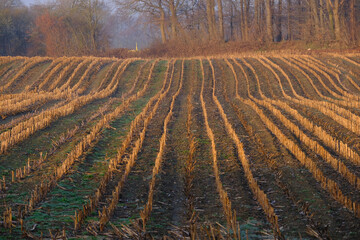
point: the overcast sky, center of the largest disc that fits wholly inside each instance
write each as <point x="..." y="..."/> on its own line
<point x="28" y="2"/>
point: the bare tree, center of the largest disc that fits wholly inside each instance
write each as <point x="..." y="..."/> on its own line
<point x="221" y="19"/>
<point x="269" y="28"/>
<point x="210" y="13"/>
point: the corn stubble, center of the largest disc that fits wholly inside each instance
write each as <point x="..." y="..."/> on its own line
<point x="66" y="80"/>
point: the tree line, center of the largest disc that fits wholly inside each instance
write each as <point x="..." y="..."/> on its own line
<point x="253" y="20"/>
<point x="85" y="27"/>
<point x="59" y="28"/>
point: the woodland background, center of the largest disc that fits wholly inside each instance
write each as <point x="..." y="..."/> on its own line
<point x="175" y="27"/>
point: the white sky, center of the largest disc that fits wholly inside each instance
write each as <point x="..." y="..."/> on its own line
<point x="28" y="2"/>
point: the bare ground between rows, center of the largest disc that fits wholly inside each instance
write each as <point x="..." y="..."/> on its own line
<point x="329" y="172"/>
<point x="335" y="130"/>
<point x="347" y="65"/>
<point x="8" y="122"/>
<point x="269" y="85"/>
<point x="242" y="84"/>
<point x="72" y="192"/>
<point x="65" y="77"/>
<point x="28" y="77"/>
<point x="6" y="67"/>
<point x="96" y="78"/>
<point x="41" y="141"/>
<point x="207" y="203"/>
<point x="134" y="193"/>
<point x="248" y="212"/>
<point x="253" y="85"/>
<point x="332" y="212"/>
<point x="317" y="197"/>
<point x="299" y="82"/>
<point x="344" y="73"/>
<point x="169" y="199"/>
<point x="291" y="222"/>
<point x="324" y="79"/>
<point x="11" y="71"/>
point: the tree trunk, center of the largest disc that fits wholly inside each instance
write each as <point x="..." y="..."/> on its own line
<point x="315" y="17"/>
<point x="246" y="25"/>
<point x="337" y="26"/>
<point x="289" y="27"/>
<point x="210" y="14"/>
<point x="221" y="20"/>
<point x="321" y="18"/>
<point x="231" y="22"/>
<point x="242" y="19"/>
<point x="162" y="25"/>
<point x="331" y="17"/>
<point x="213" y="21"/>
<point x="352" y="22"/>
<point x="173" y="19"/>
<point x="269" y="30"/>
<point x="257" y="17"/>
<point x="279" y="24"/>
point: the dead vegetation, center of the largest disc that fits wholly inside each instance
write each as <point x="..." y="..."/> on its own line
<point x="262" y="84"/>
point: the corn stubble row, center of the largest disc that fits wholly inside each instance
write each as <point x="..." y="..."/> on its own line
<point x="53" y="75"/>
<point x="19" y="102"/>
<point x="335" y="144"/>
<point x="350" y="121"/>
<point x="261" y="197"/>
<point x="336" y="104"/>
<point x="55" y="65"/>
<point x="69" y="71"/>
<point x="330" y="109"/>
<point x="33" y="165"/>
<point x="339" y="87"/>
<point x="143" y="118"/>
<point x="25" y="129"/>
<point x="55" y="69"/>
<point x="22" y="172"/>
<point x="328" y="184"/>
<point x="334" y="71"/>
<point x="30" y="63"/>
<point x="302" y="206"/>
<point x="351" y="102"/>
<point x="8" y="99"/>
<point x="315" y="146"/>
<point x="93" y="66"/>
<point x="28" y="99"/>
<point x="145" y="213"/>
<point x="314" y="70"/>
<point x="41" y="190"/>
<point x="8" y="65"/>
<point x="15" y="65"/>
<point x="189" y="168"/>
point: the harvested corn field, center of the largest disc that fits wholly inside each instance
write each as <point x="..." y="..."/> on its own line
<point x="256" y="147"/>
